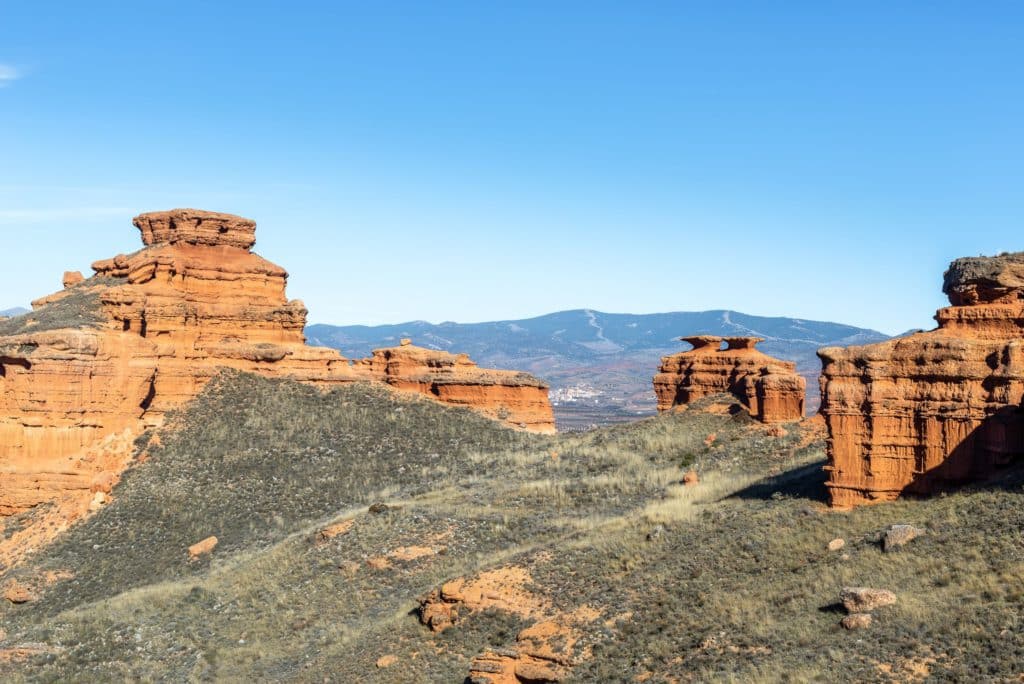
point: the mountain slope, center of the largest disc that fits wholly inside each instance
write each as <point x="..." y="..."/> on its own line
<point x="600" y="365"/>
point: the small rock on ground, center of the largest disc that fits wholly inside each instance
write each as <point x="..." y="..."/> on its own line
<point x="865" y="599"/>
<point x="899" y="535"/>
<point x="857" y="621"/>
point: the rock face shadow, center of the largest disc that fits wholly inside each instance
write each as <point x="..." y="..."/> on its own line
<point x="805" y="482"/>
<point x="984" y="455"/>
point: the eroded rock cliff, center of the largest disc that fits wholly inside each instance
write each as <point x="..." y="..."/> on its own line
<point x="95" y="364"/>
<point x="769" y="388"/>
<point x="515" y="398"/>
<point x="934" y="409"/>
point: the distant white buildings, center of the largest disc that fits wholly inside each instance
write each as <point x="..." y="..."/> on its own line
<point x="577" y="394"/>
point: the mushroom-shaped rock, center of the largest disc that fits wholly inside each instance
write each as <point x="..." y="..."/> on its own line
<point x="770" y="388"/>
<point x="738" y="343"/>
<point x="703" y="343"/>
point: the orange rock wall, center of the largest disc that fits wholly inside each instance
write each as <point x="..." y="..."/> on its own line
<point x="931" y="410"/>
<point x="514" y="398"/>
<point x="768" y="387"/>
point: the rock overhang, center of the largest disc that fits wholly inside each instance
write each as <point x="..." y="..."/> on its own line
<point x="196" y="227"/>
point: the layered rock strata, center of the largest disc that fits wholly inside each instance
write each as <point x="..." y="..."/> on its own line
<point x="515" y="398"/>
<point x="94" y="365"/>
<point x="771" y="389"/>
<point x="932" y="410"/>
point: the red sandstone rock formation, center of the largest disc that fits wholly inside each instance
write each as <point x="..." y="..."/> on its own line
<point x="934" y="409"/>
<point x="768" y="387"/>
<point x="516" y="398"/>
<point x="95" y="364"/>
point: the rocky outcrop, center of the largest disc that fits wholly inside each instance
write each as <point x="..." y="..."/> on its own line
<point x="515" y="398"/>
<point x="95" y="364"/>
<point x="769" y="388"/>
<point x="545" y="651"/>
<point x="932" y="410"/>
<point x="865" y="599"/>
<point x="194" y="227"/>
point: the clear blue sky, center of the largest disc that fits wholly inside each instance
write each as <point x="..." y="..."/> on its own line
<point x="482" y="160"/>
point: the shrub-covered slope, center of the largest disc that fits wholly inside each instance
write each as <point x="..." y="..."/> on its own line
<point x="338" y="513"/>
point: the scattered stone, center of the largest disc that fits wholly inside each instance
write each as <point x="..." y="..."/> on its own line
<point x="72" y="278"/>
<point x="18" y="593"/>
<point x="99" y="500"/>
<point x="335" y="530"/>
<point x="386" y="661"/>
<point x="656" y="533"/>
<point x="203" y="548"/>
<point x="776" y="431"/>
<point x="857" y="621"/>
<point x="103" y="482"/>
<point x="865" y="599"/>
<point x="379" y="508"/>
<point x="350" y="568"/>
<point x="836" y="544"/>
<point x="378" y="563"/>
<point x="900" y="535"/>
<point x="691" y="478"/>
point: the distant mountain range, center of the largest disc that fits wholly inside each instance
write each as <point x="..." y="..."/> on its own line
<point x="600" y="365"/>
<point x="16" y="311"/>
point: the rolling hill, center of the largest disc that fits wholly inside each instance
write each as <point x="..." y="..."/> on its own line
<point x="599" y="364"/>
<point x="369" y="536"/>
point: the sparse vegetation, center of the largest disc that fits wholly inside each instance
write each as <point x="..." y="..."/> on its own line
<point x="80" y="308"/>
<point x="729" y="580"/>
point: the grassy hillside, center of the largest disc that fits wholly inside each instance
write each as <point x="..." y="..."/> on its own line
<point x="726" y="580"/>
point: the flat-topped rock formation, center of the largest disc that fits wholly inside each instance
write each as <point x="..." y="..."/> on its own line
<point x="195" y="227"/>
<point x="935" y="409"/>
<point x="509" y="396"/>
<point x="769" y="388"/>
<point x="95" y="364"/>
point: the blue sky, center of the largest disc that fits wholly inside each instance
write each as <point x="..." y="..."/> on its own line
<point x="478" y="161"/>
